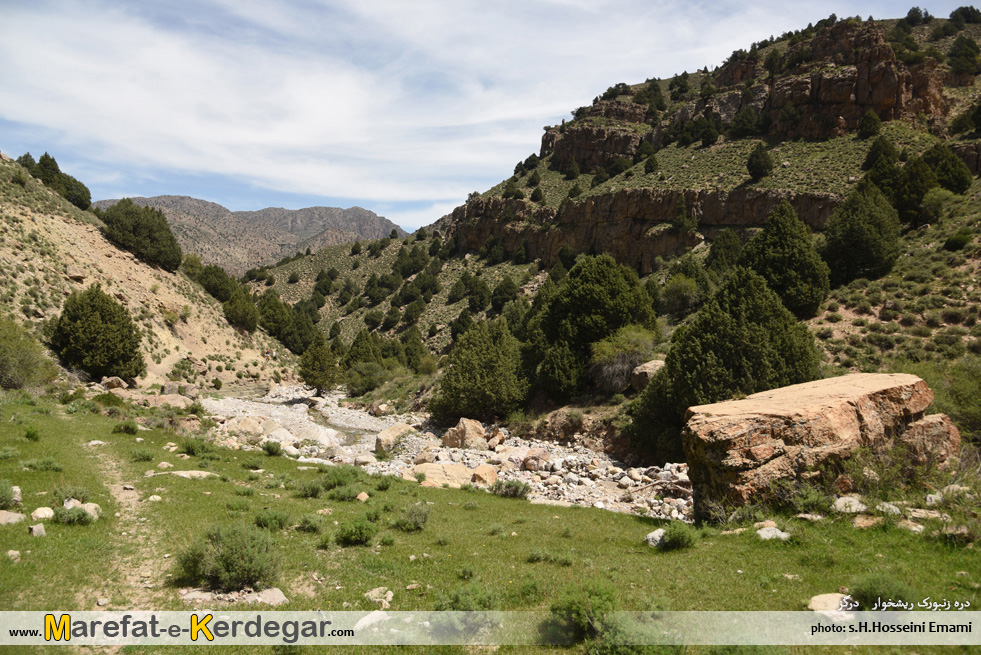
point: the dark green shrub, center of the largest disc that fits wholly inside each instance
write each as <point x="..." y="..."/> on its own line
<point x="784" y="255"/>
<point x="760" y="163"/>
<point x="96" y="334"/>
<point x="73" y="516"/>
<point x="873" y="587"/>
<point x="678" y="536"/>
<point x="869" y="125"/>
<point x="310" y="489"/>
<point x="7" y="495"/>
<point x="346" y="493"/>
<point x="271" y="520"/>
<point x="63" y="493"/>
<point x="359" y="532"/>
<point x="126" y="427"/>
<point x="484" y="377"/>
<point x="310" y="523"/>
<point x="413" y="518"/>
<point x="583" y="608"/>
<point x="230" y="558"/>
<point x="472" y="597"/>
<point x="43" y="464"/>
<point x="862" y="238"/>
<point x="339" y="476"/>
<point x="144" y="231"/>
<point x="959" y="239"/>
<point x="198" y="447"/>
<point x="272" y="448"/>
<point x="510" y="489"/>
<point x="31" y="433"/>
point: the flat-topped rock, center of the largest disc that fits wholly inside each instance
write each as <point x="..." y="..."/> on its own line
<point x="736" y="449"/>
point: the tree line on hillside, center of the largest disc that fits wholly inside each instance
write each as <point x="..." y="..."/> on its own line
<point x="47" y="170"/>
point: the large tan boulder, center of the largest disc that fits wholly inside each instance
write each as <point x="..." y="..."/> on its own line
<point x="468" y="433"/>
<point x="439" y="473"/>
<point x="484" y="475"/>
<point x="389" y="437"/>
<point x="641" y="376"/>
<point x="735" y="449"/>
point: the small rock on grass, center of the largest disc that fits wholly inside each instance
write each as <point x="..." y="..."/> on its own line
<point x="813" y="518"/>
<point x="655" y="539"/>
<point x="36" y="530"/>
<point x="864" y="521"/>
<point x="42" y="514"/>
<point x="825" y="603"/>
<point x="766" y="534"/>
<point x="13" y="556"/>
<point x="850" y="505"/>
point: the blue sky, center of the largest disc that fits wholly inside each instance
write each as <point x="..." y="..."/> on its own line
<point x="399" y="107"/>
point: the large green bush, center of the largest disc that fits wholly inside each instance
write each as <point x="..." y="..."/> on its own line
<point x="96" y="334"/>
<point x="484" y="377"/>
<point x="23" y="361"/>
<point x="230" y="558"/>
<point x="742" y="341"/>
<point x="784" y="254"/>
<point x="144" y="232"/>
<point x="862" y="238"/>
<point x="318" y="366"/>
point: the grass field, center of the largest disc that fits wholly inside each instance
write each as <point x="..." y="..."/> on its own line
<point x="507" y="554"/>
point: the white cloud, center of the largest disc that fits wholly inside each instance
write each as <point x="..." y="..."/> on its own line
<point x="380" y="102"/>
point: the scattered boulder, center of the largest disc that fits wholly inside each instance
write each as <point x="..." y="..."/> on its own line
<point x="245" y="424"/>
<point x="174" y="400"/>
<point x="169" y="389"/>
<point x="163" y="466"/>
<point x="282" y="435"/>
<point x="272" y="597"/>
<point x="468" y="434"/>
<point x="736" y="449"/>
<point x="826" y="603"/>
<point x="114" y="382"/>
<point x="864" y="521"/>
<point x="888" y="508"/>
<point x="933" y="439"/>
<point x="641" y="376"/>
<point x="13" y="556"/>
<point x="535" y="459"/>
<point x="36" y="530"/>
<point x="364" y="460"/>
<point x="766" y="534"/>
<point x="154" y="499"/>
<point x="454" y="475"/>
<point x="380" y="595"/>
<point x="388" y="438"/>
<point x="484" y="475"/>
<point x="363" y="497"/>
<point x="813" y="518"/>
<point x="850" y="505"/>
<point x="10" y="518"/>
<point x="71" y="503"/>
<point x="655" y="539"/>
<point x="93" y="510"/>
<point x="42" y="514"/>
<point x="193" y="475"/>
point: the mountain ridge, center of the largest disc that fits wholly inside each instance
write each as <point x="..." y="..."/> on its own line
<point x="240" y="240"/>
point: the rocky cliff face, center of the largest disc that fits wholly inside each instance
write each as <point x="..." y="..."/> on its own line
<point x="843" y="72"/>
<point x="632" y="225"/>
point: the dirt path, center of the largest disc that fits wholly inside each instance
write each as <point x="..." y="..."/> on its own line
<point x="138" y="570"/>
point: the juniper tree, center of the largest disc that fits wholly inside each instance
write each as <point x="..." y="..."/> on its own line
<point x="96" y="334"/>
<point x="784" y="254"/>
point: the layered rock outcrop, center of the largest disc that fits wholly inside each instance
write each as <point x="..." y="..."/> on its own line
<point x="632" y="225"/>
<point x="736" y="449"/>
